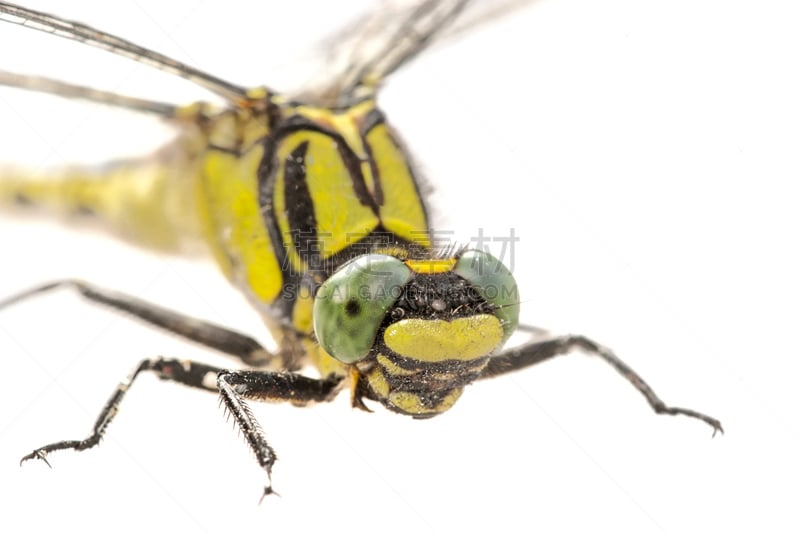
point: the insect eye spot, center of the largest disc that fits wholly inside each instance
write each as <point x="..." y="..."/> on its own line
<point x="352" y="307"/>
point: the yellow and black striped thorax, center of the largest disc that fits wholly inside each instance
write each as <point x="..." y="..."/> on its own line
<point x="318" y="187"/>
<point x="335" y="184"/>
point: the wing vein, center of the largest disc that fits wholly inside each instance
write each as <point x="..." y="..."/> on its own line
<point x="77" y="31"/>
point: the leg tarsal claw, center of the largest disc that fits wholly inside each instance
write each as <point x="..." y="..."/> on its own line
<point x="36" y="454"/>
<point x="267" y="491"/>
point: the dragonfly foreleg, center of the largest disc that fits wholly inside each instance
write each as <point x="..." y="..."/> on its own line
<point x="189" y="373"/>
<point x="537" y="351"/>
<point x="234" y="387"/>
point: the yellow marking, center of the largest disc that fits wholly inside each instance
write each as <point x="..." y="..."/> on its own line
<point x="347" y="125"/>
<point x="257" y="93"/>
<point x="231" y="195"/>
<point x="431" y="266"/>
<point x="322" y="361"/>
<point x="377" y="382"/>
<point x="400" y="253"/>
<point x="237" y="129"/>
<point x="402" y="211"/>
<point x="253" y="131"/>
<point x="341" y="218"/>
<point x="189" y="112"/>
<point x="392" y="368"/>
<point x="226" y="131"/>
<point x="345" y="122"/>
<point x="354" y="375"/>
<point x="431" y="341"/>
<point x="302" y="313"/>
<point x="411" y="403"/>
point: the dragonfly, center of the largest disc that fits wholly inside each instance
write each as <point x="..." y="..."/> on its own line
<point x="311" y="207"/>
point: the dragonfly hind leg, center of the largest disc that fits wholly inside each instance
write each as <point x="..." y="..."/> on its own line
<point x="537" y="351"/>
<point x="234" y="387"/>
<point x="225" y="340"/>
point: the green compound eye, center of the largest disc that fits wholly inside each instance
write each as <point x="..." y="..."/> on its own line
<point x="351" y="304"/>
<point x="495" y="283"/>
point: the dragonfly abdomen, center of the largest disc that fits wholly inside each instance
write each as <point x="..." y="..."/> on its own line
<point x="150" y="203"/>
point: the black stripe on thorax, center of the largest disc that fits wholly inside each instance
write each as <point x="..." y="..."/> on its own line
<point x="301" y="214"/>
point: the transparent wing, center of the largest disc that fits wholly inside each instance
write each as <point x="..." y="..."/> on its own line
<point x="356" y="59"/>
<point x="360" y="56"/>
<point x="80" y="32"/>
<point x="68" y="90"/>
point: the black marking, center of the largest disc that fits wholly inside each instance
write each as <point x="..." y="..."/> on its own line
<point x="267" y="175"/>
<point x="23" y="200"/>
<point x="443" y="295"/>
<point x="352" y="307"/>
<point x="232" y="151"/>
<point x="273" y="113"/>
<point x="372" y="122"/>
<point x="353" y="166"/>
<point x="449" y="366"/>
<point x="377" y="241"/>
<point x="376" y="174"/>
<point x="430" y="382"/>
<point x="84" y="210"/>
<point x="351" y="162"/>
<point x="373" y="118"/>
<point x="299" y="123"/>
<point x="299" y="205"/>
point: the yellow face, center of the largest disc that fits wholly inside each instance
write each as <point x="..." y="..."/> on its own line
<point x="417" y="331"/>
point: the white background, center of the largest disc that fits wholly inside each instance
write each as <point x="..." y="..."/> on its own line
<point x="646" y="153"/>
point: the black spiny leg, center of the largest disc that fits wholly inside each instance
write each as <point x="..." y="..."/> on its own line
<point x="535" y="352"/>
<point x="233" y="388"/>
<point x="187" y="372"/>
<point x="219" y="338"/>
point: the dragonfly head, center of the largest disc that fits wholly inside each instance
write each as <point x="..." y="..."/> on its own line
<point x="417" y="331"/>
